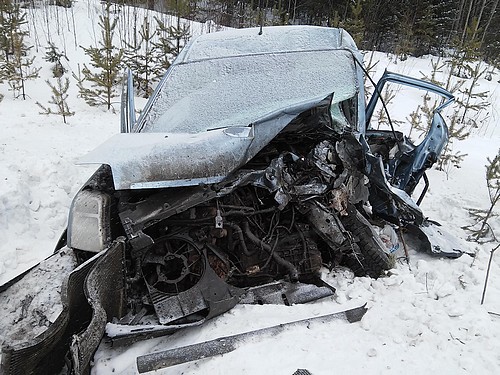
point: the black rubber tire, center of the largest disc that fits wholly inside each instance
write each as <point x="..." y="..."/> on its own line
<point x="371" y="259"/>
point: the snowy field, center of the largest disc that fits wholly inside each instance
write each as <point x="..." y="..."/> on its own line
<point x="422" y="318"/>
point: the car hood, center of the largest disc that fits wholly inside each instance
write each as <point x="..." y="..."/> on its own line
<point x="158" y="160"/>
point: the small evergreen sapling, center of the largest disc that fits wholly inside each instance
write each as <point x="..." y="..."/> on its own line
<point x="59" y="97"/>
<point x="471" y="99"/>
<point x="106" y="65"/>
<point x="415" y="120"/>
<point x="180" y="35"/>
<point x="467" y="50"/>
<point x="52" y="55"/>
<point x="456" y="132"/>
<point x="11" y="21"/>
<point x="164" y="50"/>
<point x="171" y="39"/>
<point x="19" y="68"/>
<point x="140" y="56"/>
<point x="15" y="65"/>
<point x="355" y="24"/>
<point x="481" y="229"/>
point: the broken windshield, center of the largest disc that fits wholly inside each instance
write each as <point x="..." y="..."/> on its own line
<point x="236" y="91"/>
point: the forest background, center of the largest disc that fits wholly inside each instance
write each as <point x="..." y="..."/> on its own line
<point x="402" y="27"/>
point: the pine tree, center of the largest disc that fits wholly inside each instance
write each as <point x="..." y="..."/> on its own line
<point x="381" y="116"/>
<point x="164" y="50"/>
<point x="466" y="51"/>
<point x="11" y="22"/>
<point x="437" y="41"/>
<point x="456" y="131"/>
<point x="355" y="24"/>
<point x="405" y="40"/>
<point x="415" y="120"/>
<point x="471" y="99"/>
<point x="19" y="68"/>
<point x="140" y="59"/>
<point x="106" y="63"/>
<point x="15" y="65"/>
<point x="64" y="3"/>
<point x="380" y="25"/>
<point x="180" y="34"/>
<point x="490" y="43"/>
<point x="171" y="39"/>
<point x="59" y="97"/>
<point x="482" y="216"/>
<point x="53" y="55"/>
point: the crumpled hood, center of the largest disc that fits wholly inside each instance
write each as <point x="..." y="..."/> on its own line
<point x="155" y="160"/>
<point x="159" y="160"/>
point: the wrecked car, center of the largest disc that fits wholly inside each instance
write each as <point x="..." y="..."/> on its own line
<point x="251" y="167"/>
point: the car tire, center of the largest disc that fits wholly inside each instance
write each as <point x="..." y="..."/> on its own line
<point x="368" y="256"/>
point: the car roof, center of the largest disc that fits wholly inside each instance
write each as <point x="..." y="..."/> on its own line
<point x="272" y="39"/>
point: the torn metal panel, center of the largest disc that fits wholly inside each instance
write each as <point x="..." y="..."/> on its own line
<point x="46" y="352"/>
<point x="285" y="293"/>
<point x="313" y="188"/>
<point x="323" y="157"/>
<point x="104" y="289"/>
<point x="210" y="295"/>
<point x="433" y="239"/>
<point x="388" y="201"/>
<point x="223" y="345"/>
<point x="124" y="335"/>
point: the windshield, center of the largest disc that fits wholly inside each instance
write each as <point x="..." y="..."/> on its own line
<point x="236" y="91"/>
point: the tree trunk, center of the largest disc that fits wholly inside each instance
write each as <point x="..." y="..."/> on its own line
<point x="479" y="17"/>
<point x="492" y="13"/>
<point x="466" y="24"/>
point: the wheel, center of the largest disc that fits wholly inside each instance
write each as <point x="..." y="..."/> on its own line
<point x="368" y="256"/>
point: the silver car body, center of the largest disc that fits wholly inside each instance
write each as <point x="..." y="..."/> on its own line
<point x="226" y="96"/>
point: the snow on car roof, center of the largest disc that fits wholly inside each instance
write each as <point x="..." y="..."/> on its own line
<point x="238" y="42"/>
<point x="233" y="78"/>
<point x="237" y="91"/>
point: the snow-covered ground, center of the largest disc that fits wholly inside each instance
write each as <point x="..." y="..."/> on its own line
<point x="423" y="317"/>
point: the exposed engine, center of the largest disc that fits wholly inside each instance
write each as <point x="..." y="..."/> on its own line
<point x="290" y="211"/>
